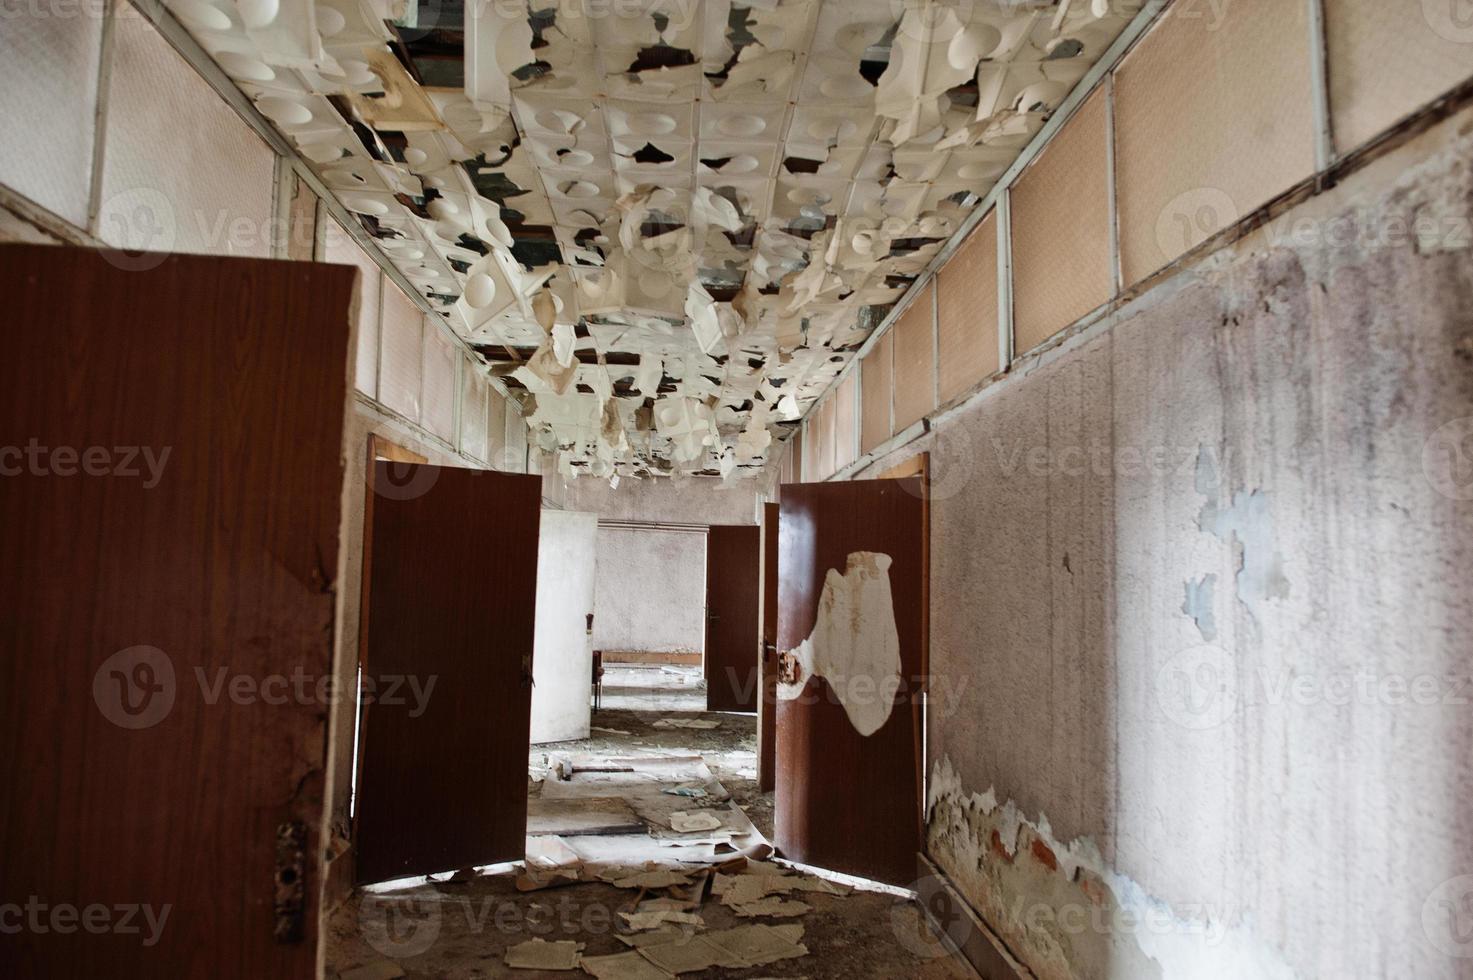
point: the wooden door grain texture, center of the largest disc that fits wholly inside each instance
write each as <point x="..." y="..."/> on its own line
<point x="845" y="801"/>
<point x="767" y="710"/>
<point x="170" y="531"/>
<point x="733" y="625"/>
<point x="450" y="571"/>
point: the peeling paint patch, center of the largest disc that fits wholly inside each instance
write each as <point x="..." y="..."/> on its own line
<point x="1198" y="604"/>
<point x="1064" y="912"/>
<point x="854" y="646"/>
<point x="1248" y="524"/>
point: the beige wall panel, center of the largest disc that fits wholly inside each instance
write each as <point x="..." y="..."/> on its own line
<point x="1213" y="118"/>
<point x="496" y="413"/>
<point x="846" y="421"/>
<point x="875" y="389"/>
<point x="340" y="249"/>
<point x="827" y="448"/>
<point x="1388" y="58"/>
<point x="440" y="381"/>
<point x="915" y="361"/>
<point x="401" y="354"/>
<point x="472" y="411"/>
<point x="182" y="172"/>
<point x="48" y="106"/>
<point x="966" y="310"/>
<point x="1061" y="229"/>
<point x="515" y="453"/>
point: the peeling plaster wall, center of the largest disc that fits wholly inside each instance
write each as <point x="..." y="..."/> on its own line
<point x="650" y="591"/>
<point x="1201" y="621"/>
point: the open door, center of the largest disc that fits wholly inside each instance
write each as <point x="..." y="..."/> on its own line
<point x="852" y="569"/>
<point x="170" y="521"/>
<point x="733" y="624"/>
<point x="767" y="708"/>
<point x="562" y="662"/>
<point x="450" y="591"/>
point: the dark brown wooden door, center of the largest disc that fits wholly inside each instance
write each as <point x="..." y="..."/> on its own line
<point x="767" y="709"/>
<point x="450" y="570"/>
<point x="844" y="800"/>
<point x="172" y="433"/>
<point x="733" y="621"/>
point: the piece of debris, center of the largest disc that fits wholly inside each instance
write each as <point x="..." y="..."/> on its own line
<point x="774" y="906"/>
<point x="381" y="970"/>
<point x="704" y="724"/>
<point x="694" y="792"/>
<point x="655" y="918"/>
<point x="694" y="820"/>
<point x="550" y="852"/>
<point x="608" y="731"/>
<point x="652" y="879"/>
<point x="623" y="966"/>
<point x="539" y="954"/>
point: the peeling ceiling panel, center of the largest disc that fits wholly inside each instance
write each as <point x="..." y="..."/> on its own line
<point x="670" y="226"/>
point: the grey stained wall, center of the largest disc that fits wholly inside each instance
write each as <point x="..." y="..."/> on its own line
<point x="650" y="592"/>
<point x="1202" y="629"/>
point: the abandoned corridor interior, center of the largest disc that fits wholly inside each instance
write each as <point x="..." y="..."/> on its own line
<point x="740" y="488"/>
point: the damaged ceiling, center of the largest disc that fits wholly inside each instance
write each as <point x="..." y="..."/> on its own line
<point x="666" y="225"/>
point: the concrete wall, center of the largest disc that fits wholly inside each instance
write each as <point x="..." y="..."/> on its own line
<point x="651" y="590"/>
<point x="1201" y="623"/>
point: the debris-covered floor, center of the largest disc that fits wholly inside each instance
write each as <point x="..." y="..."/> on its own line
<point x="647" y="858"/>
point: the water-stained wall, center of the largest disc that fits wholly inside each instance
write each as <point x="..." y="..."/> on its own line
<point x="1201" y="626"/>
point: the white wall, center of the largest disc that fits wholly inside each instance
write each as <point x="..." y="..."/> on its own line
<point x="562" y="658"/>
<point x="651" y="590"/>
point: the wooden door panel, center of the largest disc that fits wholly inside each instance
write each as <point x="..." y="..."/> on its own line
<point x="450" y="569"/>
<point x="733" y="627"/>
<point x="767" y="709"/>
<point x="847" y="801"/>
<point x="167" y="572"/>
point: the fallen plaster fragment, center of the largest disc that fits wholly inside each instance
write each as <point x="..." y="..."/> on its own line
<point x="778" y="908"/>
<point x="539" y="954"/>
<point x="608" y="731"/>
<point x="623" y="966"/>
<point x="382" y="970"/>
<point x="854" y="646"/>
<point x="652" y="879"/>
<point x="696" y="723"/>
<point x="694" y="820"/>
<point x="655" y="918"/>
<point x="1025" y="884"/>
